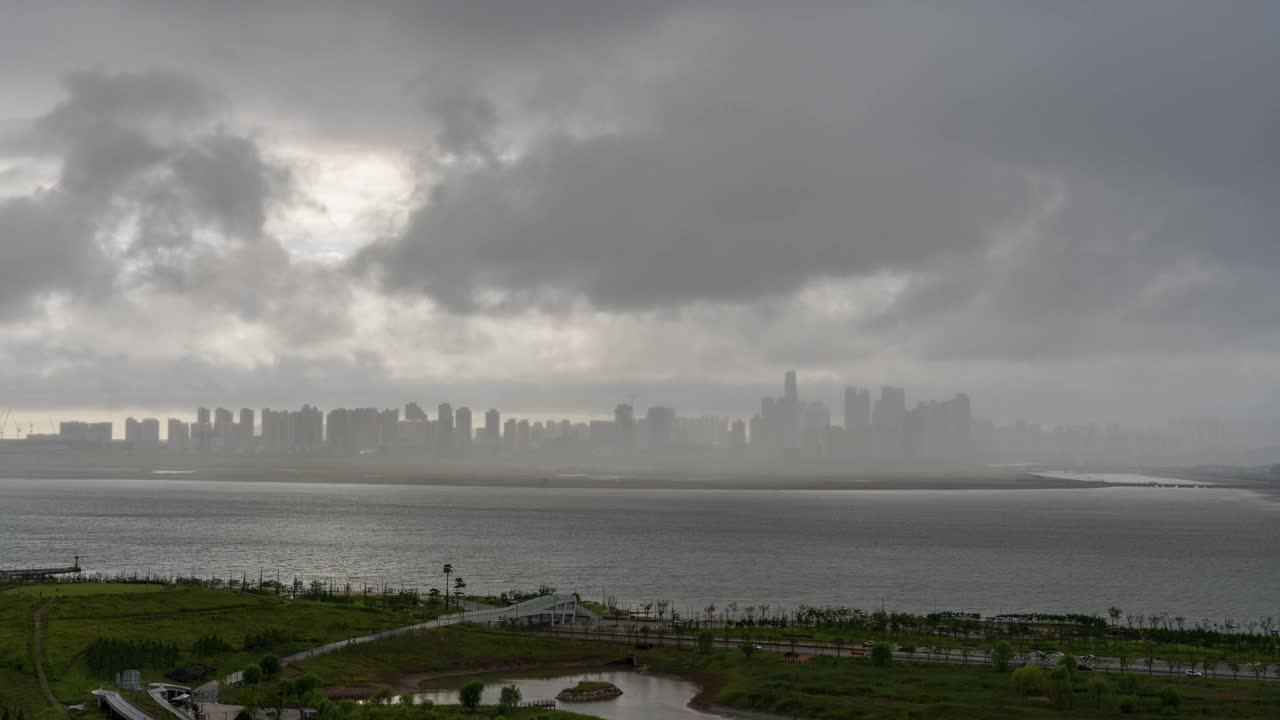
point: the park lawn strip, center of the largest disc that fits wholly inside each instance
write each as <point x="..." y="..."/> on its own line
<point x="827" y="687"/>
<point x="181" y="616"/>
<point x="455" y="648"/>
<point x="68" y="589"/>
<point x="19" y="687"/>
<point x="853" y="639"/>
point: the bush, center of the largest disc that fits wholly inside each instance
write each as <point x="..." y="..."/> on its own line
<point x="510" y="698"/>
<point x="270" y="665"/>
<point x="1128" y="685"/>
<point x="1128" y="704"/>
<point x="1000" y="655"/>
<point x="1169" y="698"/>
<point x="881" y="654"/>
<point x="1099" y="690"/>
<point x="470" y="695"/>
<point x="706" y="640"/>
<point x="208" y="645"/>
<point x="251" y="675"/>
<point x="1029" y="680"/>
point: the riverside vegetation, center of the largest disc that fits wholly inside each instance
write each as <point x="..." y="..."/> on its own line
<point x="175" y="626"/>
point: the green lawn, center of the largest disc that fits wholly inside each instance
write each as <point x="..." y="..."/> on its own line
<point x="19" y="688"/>
<point x="81" y="588"/>
<point x="453" y="648"/>
<point x="79" y="614"/>
<point x="827" y="687"/>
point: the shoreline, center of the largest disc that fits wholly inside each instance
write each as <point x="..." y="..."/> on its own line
<point x="555" y="480"/>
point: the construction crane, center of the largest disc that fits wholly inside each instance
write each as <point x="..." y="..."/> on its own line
<point x="4" y="421"/>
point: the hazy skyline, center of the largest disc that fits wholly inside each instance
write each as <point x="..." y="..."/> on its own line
<point x="1067" y="211"/>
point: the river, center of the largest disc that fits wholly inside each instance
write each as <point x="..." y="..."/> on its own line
<point x="1197" y="552"/>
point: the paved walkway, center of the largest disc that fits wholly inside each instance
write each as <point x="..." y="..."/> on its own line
<point x="564" y="605"/>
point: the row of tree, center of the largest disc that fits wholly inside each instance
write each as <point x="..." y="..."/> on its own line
<point x="107" y="656"/>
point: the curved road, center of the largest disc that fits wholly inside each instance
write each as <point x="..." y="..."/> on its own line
<point x="39" y="652"/>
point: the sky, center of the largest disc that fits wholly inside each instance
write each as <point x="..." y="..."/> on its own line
<point x="1067" y="210"/>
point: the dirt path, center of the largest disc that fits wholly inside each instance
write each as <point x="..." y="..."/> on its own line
<point x="39" y="651"/>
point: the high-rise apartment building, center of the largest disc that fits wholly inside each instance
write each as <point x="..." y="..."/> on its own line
<point x="462" y="428"/>
<point x="492" y="427"/>
<point x="444" y="427"/>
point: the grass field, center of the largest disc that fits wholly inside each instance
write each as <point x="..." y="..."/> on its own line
<point x="825" y="687"/>
<point x="55" y="590"/>
<point x="848" y="688"/>
<point x="79" y="614"/>
<point x="453" y="648"/>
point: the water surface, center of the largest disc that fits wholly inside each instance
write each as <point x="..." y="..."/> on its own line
<point x="1197" y="552"/>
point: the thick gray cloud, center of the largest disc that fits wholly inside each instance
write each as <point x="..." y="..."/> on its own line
<point x="849" y="143"/>
<point x="946" y="194"/>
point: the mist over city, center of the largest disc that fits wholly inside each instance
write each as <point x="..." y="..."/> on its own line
<point x="639" y="360"/>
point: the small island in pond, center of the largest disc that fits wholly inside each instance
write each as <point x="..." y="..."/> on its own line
<point x="589" y="691"/>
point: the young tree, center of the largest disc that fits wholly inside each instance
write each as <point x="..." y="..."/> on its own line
<point x="748" y="648"/>
<point x="448" y="570"/>
<point x="509" y="699"/>
<point x="706" y="640"/>
<point x="1029" y="680"/>
<point x="251" y="674"/>
<point x="839" y="643"/>
<point x="1099" y="690"/>
<point x="1114" y="612"/>
<point x="270" y="665"/>
<point x="470" y="695"/>
<point x="1000" y="655"/>
<point x="881" y="654"/>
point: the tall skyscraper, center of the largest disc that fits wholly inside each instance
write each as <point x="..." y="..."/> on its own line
<point x="492" y="427"/>
<point x="857" y="408"/>
<point x="790" y="392"/>
<point x="889" y="420"/>
<point x="624" y="422"/>
<point x="660" y="423"/>
<point x="179" y="435"/>
<point x="245" y="429"/>
<point x="444" y="427"/>
<point x="462" y="428"/>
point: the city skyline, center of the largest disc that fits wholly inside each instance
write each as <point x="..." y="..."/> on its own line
<point x="878" y="425"/>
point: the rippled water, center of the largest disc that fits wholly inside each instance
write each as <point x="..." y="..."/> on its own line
<point x="1195" y="552"/>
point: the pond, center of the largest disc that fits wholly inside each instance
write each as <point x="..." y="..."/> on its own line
<point x="644" y="696"/>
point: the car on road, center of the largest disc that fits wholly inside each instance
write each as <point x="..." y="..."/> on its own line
<point x="1193" y="673"/>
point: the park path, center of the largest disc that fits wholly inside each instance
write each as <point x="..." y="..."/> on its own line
<point x="39" y="651"/>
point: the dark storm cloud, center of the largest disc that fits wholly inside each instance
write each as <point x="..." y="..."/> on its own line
<point x="847" y="142"/>
<point x="1046" y="183"/>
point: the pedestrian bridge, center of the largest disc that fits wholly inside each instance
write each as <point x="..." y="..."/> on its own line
<point x="553" y="609"/>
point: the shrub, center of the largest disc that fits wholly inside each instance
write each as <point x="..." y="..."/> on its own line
<point x="1029" y="680"/>
<point x="1099" y="690"/>
<point x="881" y="654"/>
<point x="251" y="675"/>
<point x="470" y="695"/>
<point x="706" y="640"/>
<point x="1000" y="655"/>
<point x="1169" y="698"/>
<point x="270" y="665"/>
<point x="509" y="698"/>
<point x="1128" y="704"/>
<point x="1128" y="685"/>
